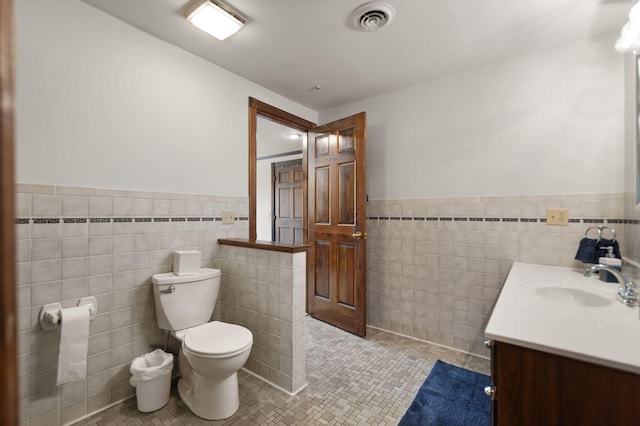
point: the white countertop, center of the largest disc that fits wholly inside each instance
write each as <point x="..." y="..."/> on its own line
<point x="560" y="311"/>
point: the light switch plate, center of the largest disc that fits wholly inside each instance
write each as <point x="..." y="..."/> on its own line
<point x="227" y="217"/>
<point x="559" y="217"/>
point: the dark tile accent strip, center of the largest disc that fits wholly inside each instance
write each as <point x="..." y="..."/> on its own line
<point x="74" y="220"/>
<point x="99" y="220"/>
<point x="48" y="220"/>
<point x="22" y="221"/>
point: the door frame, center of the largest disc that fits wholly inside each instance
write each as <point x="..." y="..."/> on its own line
<point x="259" y="108"/>
<point x="8" y="345"/>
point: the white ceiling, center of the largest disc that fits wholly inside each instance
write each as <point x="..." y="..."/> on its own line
<point x="290" y="46"/>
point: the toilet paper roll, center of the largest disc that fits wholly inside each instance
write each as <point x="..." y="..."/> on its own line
<point x="74" y="343"/>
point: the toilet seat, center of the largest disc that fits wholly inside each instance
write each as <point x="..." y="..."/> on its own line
<point x="217" y="339"/>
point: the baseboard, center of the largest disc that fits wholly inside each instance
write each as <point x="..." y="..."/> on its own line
<point x="113" y="404"/>
<point x="426" y="341"/>
<point x="273" y="384"/>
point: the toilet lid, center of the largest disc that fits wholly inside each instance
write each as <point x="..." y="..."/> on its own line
<point x="217" y="338"/>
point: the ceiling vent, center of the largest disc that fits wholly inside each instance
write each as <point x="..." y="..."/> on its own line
<point x="373" y="16"/>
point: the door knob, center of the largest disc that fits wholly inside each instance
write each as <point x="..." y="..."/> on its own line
<point x="490" y="391"/>
<point x="358" y="235"/>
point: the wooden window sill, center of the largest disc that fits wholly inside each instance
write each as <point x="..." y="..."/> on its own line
<point x="263" y="245"/>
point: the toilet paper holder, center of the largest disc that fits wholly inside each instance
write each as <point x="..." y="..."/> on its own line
<point x="50" y="314"/>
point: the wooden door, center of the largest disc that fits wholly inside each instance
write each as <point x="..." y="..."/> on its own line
<point x="336" y="282"/>
<point x="8" y="340"/>
<point x="288" y="178"/>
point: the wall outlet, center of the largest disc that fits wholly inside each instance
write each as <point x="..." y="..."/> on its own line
<point x="558" y="217"/>
<point x="227" y="217"/>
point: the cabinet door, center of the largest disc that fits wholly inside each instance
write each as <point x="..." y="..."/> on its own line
<point x="539" y="388"/>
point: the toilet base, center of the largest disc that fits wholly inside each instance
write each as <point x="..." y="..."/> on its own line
<point x="210" y="398"/>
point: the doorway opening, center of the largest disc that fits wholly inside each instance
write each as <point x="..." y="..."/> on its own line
<point x="333" y="211"/>
<point x="276" y="147"/>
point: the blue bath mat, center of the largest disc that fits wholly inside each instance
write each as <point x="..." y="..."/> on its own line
<point x="450" y="396"/>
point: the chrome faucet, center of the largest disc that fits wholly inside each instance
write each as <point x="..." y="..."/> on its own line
<point x="627" y="290"/>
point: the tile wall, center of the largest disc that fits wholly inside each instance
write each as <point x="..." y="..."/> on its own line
<point x="436" y="266"/>
<point x="265" y="292"/>
<point x="74" y="242"/>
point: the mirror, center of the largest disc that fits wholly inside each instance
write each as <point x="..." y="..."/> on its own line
<point x="271" y="125"/>
<point x="279" y="180"/>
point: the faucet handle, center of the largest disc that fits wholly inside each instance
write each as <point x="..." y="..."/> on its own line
<point x="627" y="290"/>
<point x="628" y="296"/>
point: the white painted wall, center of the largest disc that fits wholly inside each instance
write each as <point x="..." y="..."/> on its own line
<point x="543" y="123"/>
<point x="102" y="104"/>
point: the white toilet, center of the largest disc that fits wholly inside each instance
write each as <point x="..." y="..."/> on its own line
<point x="212" y="352"/>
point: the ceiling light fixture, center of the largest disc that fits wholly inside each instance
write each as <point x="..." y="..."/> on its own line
<point x="215" y="18"/>
<point x="294" y="136"/>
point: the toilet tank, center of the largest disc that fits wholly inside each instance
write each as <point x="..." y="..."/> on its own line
<point x="185" y="301"/>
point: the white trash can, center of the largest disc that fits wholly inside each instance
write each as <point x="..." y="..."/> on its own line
<point x="151" y="376"/>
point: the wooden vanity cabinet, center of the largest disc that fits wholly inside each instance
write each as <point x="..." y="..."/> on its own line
<point x="538" y="388"/>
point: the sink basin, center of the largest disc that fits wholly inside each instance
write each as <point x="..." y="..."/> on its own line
<point x="564" y="292"/>
<point x="560" y="311"/>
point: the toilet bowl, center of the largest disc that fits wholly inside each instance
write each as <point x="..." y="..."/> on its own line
<point x="210" y="356"/>
<point x="211" y="352"/>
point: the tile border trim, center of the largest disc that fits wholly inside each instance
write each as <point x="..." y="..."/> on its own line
<point x="500" y="219"/>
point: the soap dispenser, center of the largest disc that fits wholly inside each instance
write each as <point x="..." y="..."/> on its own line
<point x="611" y="261"/>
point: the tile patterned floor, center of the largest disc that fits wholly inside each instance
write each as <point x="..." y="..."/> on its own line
<point x="351" y="381"/>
